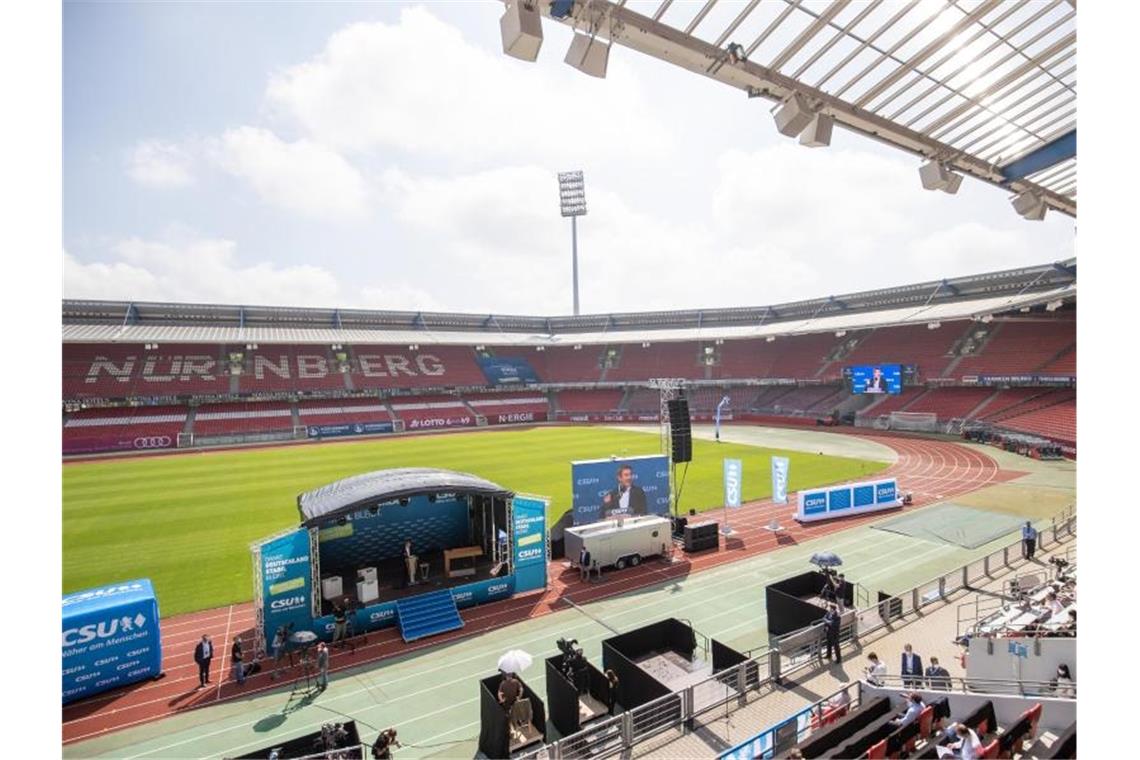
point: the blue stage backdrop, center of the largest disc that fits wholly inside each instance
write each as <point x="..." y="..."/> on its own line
<point x="507" y="370"/>
<point x="593" y="480"/>
<point x="365" y="536"/>
<point x="530" y="543"/>
<point x="286" y="582"/>
<point x="110" y="638"/>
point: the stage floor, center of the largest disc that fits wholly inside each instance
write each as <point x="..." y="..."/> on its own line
<point x="392" y="578"/>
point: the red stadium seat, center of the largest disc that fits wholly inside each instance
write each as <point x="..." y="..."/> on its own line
<point x="877" y="750"/>
<point x="990" y="750"/>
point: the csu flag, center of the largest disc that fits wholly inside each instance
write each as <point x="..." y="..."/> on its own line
<point x="780" y="480"/>
<point x="733" y="482"/>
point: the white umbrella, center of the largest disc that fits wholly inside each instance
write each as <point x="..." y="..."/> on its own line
<point x="515" y="661"/>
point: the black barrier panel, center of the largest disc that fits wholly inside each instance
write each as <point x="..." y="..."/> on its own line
<point x="310" y="744"/>
<point x="1065" y="747"/>
<point x="668" y="634"/>
<point x="788" y="608"/>
<point x="858" y="744"/>
<point x="562" y="694"/>
<point x="494" y="722"/>
<point x="635" y="686"/>
<point x="824" y="740"/>
<point x="890" y="607"/>
<point x="725" y="657"/>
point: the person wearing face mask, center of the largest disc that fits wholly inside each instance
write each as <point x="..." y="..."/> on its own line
<point x="1063" y="684"/>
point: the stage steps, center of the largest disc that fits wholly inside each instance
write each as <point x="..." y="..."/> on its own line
<point x="427" y="614"/>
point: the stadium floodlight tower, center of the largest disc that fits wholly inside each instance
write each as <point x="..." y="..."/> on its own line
<point x="572" y="199"/>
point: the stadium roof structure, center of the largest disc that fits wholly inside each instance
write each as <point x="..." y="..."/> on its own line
<point x="957" y="298"/>
<point x="359" y="491"/>
<point x="987" y="88"/>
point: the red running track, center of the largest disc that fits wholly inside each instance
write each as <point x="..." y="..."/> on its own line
<point x="930" y="470"/>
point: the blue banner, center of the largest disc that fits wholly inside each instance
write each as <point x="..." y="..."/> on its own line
<point x="507" y="370"/>
<point x="781" y="468"/>
<point x="608" y="488"/>
<point x="733" y="482"/>
<point x="286" y="582"/>
<point x="529" y="543"/>
<point x="848" y="499"/>
<point x="111" y="638"/>
<point x="490" y="590"/>
<point x="351" y="428"/>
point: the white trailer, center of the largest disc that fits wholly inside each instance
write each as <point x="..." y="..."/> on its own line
<point x="620" y="543"/>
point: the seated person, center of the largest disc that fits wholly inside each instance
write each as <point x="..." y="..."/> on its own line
<point x="914" y="706"/>
<point x="510" y="689"/>
<point x="968" y="746"/>
<point x="1053" y="603"/>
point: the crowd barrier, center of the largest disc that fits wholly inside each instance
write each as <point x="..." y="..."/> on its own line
<point x="679" y="712"/>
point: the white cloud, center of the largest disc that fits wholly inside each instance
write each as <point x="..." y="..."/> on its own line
<point x="197" y="271"/>
<point x="301" y="176"/>
<point x="160" y="164"/>
<point x="850" y="220"/>
<point x="419" y="86"/>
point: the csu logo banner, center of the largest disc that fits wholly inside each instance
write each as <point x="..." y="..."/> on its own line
<point x="733" y="482"/>
<point x="780" y="468"/>
<point x="529" y="548"/>
<point x="110" y="638"/>
<point x="619" y="487"/>
<point x="287" y="582"/>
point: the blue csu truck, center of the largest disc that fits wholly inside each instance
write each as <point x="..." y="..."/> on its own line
<point x="110" y="638"/>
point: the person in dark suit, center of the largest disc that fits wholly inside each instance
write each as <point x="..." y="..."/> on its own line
<point x="203" y="653"/>
<point x="627" y="500"/>
<point x="911" y="669"/>
<point x="876" y="383"/>
<point x="937" y="676"/>
<point x="584" y="564"/>
<point x="831" y="632"/>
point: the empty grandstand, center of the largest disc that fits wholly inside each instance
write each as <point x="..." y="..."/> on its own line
<point x="996" y="349"/>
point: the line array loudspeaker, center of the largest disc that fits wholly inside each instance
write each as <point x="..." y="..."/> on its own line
<point x="680" y="431"/>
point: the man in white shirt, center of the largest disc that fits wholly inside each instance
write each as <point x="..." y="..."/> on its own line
<point x="875" y="670"/>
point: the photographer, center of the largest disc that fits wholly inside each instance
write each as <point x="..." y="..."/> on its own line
<point x="382" y="747"/>
<point x="611" y="698"/>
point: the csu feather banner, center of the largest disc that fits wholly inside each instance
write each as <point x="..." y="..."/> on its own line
<point x="733" y="482"/>
<point x="780" y="467"/>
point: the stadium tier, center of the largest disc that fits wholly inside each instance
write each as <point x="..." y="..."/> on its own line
<point x="1022" y="347"/>
<point x="242" y="418"/>
<point x="125" y="428"/>
<point x="1013" y="369"/>
<point x="931" y="351"/>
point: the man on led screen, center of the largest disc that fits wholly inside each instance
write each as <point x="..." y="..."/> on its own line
<point x="876" y="383"/>
<point x="627" y="500"/>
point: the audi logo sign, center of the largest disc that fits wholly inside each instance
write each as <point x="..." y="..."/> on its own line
<point x="153" y="442"/>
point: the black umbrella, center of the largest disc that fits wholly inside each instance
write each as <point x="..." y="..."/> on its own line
<point x="826" y="559"/>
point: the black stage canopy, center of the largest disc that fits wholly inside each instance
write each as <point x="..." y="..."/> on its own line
<point x="346" y="496"/>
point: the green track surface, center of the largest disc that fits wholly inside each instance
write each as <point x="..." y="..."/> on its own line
<point x="186" y="521"/>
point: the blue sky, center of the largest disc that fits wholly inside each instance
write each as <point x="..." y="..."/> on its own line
<point x="388" y="155"/>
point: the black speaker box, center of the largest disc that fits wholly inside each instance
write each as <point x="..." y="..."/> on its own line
<point x="680" y="431"/>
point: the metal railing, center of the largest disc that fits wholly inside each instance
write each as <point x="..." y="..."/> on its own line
<point x="981" y="686"/>
<point x="788" y="654"/>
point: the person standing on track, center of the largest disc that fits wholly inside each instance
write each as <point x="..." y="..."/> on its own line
<point x="322" y="666"/>
<point x="340" y="618"/>
<point x="1028" y="540"/>
<point x="203" y="653"/>
<point x="236" y="664"/>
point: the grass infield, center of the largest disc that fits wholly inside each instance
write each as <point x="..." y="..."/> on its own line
<point x="186" y="521"/>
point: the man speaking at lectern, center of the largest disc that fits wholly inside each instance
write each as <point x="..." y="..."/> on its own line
<point x="627" y="500"/>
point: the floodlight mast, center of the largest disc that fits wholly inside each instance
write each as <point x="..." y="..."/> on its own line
<point x="572" y="201"/>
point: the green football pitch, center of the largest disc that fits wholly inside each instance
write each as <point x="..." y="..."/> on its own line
<point x="186" y="521"/>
